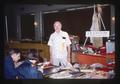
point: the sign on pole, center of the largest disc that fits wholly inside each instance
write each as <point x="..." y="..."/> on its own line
<point x="97" y="33"/>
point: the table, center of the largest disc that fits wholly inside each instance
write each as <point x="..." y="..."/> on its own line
<point x="90" y="59"/>
<point x="83" y="74"/>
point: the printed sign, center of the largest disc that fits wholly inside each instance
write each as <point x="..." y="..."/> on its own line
<point x="97" y="33"/>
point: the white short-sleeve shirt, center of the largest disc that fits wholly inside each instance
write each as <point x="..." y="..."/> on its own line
<point x="59" y="42"/>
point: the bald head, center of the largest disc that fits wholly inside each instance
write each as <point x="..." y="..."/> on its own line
<point x="57" y="26"/>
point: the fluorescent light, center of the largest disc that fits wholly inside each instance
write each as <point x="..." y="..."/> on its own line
<point x="51" y="11"/>
<point x="70" y="9"/>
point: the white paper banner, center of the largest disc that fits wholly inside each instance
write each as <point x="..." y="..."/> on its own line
<point x="97" y="33"/>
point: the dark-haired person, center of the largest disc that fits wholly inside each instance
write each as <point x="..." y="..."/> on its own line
<point x="34" y="52"/>
<point x="10" y="71"/>
<point x="28" y="69"/>
<point x="59" y="43"/>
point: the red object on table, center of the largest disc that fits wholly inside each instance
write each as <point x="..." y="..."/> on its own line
<point x="90" y="59"/>
<point x="91" y="46"/>
<point x="104" y="69"/>
<point x="102" y="50"/>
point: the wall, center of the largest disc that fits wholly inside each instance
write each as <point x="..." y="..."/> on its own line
<point x="72" y="22"/>
<point x="75" y="22"/>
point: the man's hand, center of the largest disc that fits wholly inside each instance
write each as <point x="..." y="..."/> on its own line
<point x="51" y="61"/>
<point x="68" y="59"/>
<point x="17" y="64"/>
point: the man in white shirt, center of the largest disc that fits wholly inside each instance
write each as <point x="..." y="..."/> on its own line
<point x="59" y="43"/>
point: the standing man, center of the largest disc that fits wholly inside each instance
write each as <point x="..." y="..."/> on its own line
<point x="59" y="43"/>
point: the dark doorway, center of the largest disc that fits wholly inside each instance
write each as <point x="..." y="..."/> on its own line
<point x="27" y="27"/>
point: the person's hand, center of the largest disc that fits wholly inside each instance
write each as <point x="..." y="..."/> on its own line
<point x="68" y="59"/>
<point x="51" y="61"/>
<point x="17" y="64"/>
<point x="17" y="77"/>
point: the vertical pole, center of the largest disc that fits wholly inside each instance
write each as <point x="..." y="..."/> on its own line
<point x="112" y="21"/>
<point x="19" y="27"/>
<point x="85" y="41"/>
<point x="40" y="26"/>
<point x="6" y="29"/>
<point x="90" y="29"/>
<point x="102" y="22"/>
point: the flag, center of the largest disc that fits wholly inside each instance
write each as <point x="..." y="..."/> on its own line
<point x="96" y="24"/>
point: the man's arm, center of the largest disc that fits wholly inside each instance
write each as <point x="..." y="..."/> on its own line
<point x="17" y="64"/>
<point x="50" y="54"/>
<point x="68" y="53"/>
<point x="50" y="48"/>
<point x="68" y="47"/>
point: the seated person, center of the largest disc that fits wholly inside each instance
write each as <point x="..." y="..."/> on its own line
<point x="35" y="53"/>
<point x="9" y="64"/>
<point x="28" y="69"/>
